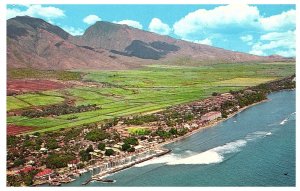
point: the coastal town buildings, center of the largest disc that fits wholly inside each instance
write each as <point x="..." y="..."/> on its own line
<point x="210" y="116"/>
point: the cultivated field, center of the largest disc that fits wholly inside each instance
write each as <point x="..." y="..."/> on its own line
<point x="138" y="91"/>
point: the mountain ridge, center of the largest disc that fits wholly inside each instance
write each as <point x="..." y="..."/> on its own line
<point x="33" y="42"/>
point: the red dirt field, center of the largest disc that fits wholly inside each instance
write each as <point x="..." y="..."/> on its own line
<point x="20" y="86"/>
<point x="14" y="129"/>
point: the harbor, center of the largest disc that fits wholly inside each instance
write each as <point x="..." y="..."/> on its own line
<point x="122" y="164"/>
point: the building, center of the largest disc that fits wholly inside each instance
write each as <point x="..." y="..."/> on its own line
<point x="44" y="173"/>
<point x="210" y="116"/>
<point x="26" y="169"/>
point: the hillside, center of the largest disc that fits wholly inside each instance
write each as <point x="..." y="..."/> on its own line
<point x="34" y="43"/>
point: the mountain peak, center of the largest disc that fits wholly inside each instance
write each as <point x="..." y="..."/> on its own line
<point x="27" y="23"/>
<point x="33" y="42"/>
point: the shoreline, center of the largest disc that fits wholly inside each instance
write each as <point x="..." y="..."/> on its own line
<point x="212" y="124"/>
<point x="99" y="177"/>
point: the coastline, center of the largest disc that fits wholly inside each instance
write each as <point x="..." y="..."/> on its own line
<point x="212" y="124"/>
<point x="100" y="177"/>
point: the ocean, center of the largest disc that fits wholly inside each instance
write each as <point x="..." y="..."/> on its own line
<point x="256" y="147"/>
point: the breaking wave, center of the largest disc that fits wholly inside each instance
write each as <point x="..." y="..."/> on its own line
<point x="256" y="135"/>
<point x="290" y="117"/>
<point x="211" y="156"/>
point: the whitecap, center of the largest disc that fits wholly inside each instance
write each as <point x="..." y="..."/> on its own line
<point x="290" y="117"/>
<point x="284" y="121"/>
<point x="214" y="155"/>
<point x="255" y="135"/>
<point x="159" y="160"/>
<point x="207" y="157"/>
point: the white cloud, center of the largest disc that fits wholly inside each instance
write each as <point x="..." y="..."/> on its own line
<point x="157" y="26"/>
<point x="246" y="38"/>
<point x="73" y="31"/>
<point x="206" y="41"/>
<point x="223" y="18"/>
<point x="131" y="23"/>
<point x="257" y="52"/>
<point x="91" y="19"/>
<point x="289" y="35"/>
<point x="49" y="12"/>
<point x="286" y="53"/>
<point x="284" y="21"/>
<point x="281" y="43"/>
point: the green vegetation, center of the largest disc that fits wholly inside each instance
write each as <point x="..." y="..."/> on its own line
<point x="61" y="109"/>
<point x="96" y="135"/>
<point x="131" y="141"/>
<point x="30" y="99"/>
<point x="109" y="152"/>
<point x="45" y="74"/>
<point x="58" y="160"/>
<point x="163" y="134"/>
<point x="15" y="103"/>
<point x="101" y="146"/>
<point x="144" y="90"/>
<point x="52" y="144"/>
<point x="139" y="131"/>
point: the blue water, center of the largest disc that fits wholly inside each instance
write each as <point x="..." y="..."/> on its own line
<point x="254" y="148"/>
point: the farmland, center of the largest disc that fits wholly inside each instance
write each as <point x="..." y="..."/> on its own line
<point x="128" y="92"/>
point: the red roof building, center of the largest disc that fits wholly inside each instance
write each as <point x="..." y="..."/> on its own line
<point x="26" y="169"/>
<point x="44" y="173"/>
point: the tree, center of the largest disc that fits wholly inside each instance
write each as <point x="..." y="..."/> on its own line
<point x="163" y="134"/>
<point x="109" y="152"/>
<point x="37" y="134"/>
<point x="101" y="146"/>
<point x="84" y="156"/>
<point x="131" y="149"/>
<point x="52" y="144"/>
<point x="183" y="131"/>
<point x="96" y="135"/>
<point x="89" y="149"/>
<point x="173" y="131"/>
<point x="125" y="147"/>
<point x="28" y="179"/>
<point x="224" y="115"/>
<point x="11" y="140"/>
<point x="18" y="162"/>
<point x="131" y="141"/>
<point x="58" y="160"/>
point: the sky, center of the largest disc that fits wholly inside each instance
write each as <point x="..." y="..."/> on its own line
<point x="255" y="29"/>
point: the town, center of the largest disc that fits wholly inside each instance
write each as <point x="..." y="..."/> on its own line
<point x="61" y="156"/>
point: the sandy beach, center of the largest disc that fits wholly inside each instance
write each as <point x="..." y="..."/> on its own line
<point x="212" y="124"/>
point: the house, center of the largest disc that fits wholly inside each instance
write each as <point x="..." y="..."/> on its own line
<point x="43" y="149"/>
<point x="187" y="126"/>
<point x="44" y="173"/>
<point x="210" y="116"/>
<point x="26" y="169"/>
<point x="73" y="163"/>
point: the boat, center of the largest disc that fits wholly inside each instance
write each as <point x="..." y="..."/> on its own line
<point x="86" y="182"/>
<point x="107" y="180"/>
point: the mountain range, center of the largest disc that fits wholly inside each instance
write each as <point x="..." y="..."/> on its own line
<point x="35" y="43"/>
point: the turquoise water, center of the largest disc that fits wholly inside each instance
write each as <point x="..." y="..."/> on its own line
<point x="254" y="148"/>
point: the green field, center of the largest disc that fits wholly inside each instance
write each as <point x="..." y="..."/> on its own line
<point x="30" y="99"/>
<point x="144" y="90"/>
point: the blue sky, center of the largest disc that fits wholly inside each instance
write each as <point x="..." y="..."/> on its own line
<point x="255" y="29"/>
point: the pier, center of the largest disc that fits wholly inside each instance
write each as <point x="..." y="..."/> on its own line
<point x="124" y="163"/>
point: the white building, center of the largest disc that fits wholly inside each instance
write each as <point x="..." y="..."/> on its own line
<point x="210" y="116"/>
